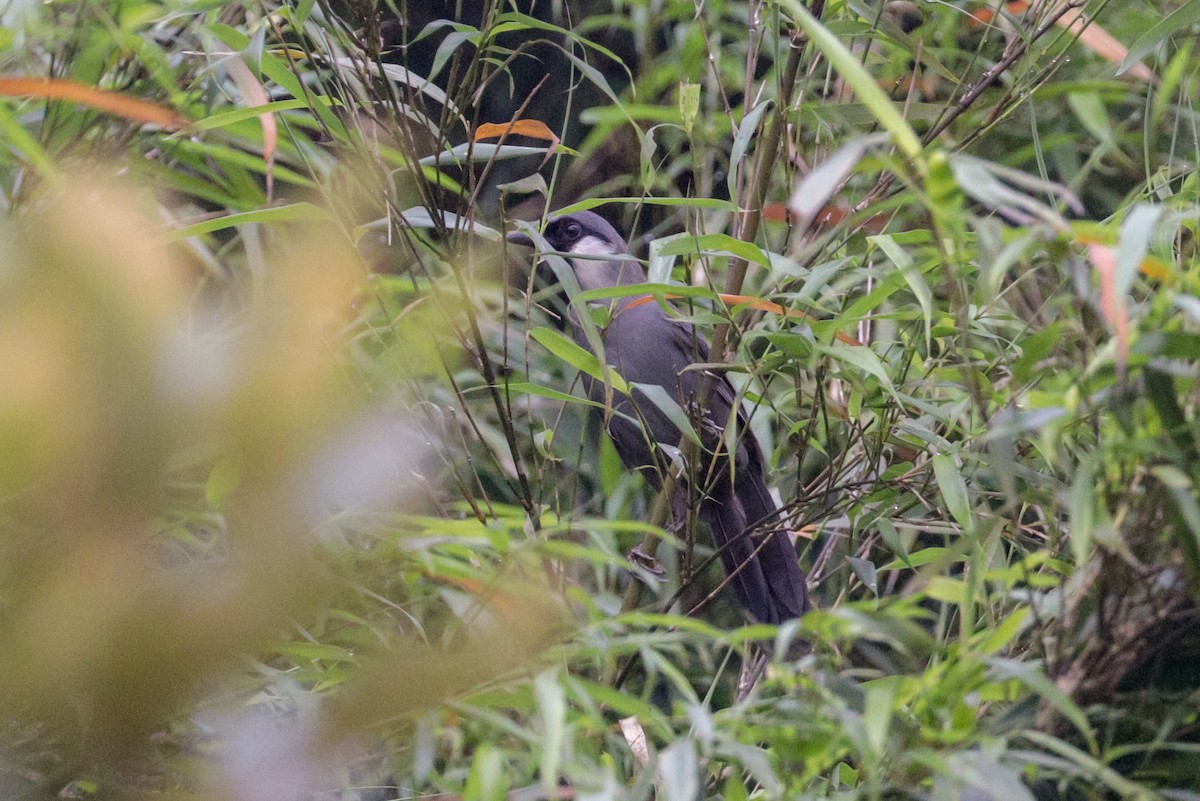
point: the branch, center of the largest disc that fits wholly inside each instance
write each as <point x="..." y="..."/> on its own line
<point x="1015" y="50"/>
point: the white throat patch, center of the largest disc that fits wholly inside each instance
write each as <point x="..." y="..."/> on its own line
<point x="594" y="266"/>
<point x="592" y="246"/>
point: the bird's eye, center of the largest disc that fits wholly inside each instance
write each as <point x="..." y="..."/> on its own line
<point x="573" y="231"/>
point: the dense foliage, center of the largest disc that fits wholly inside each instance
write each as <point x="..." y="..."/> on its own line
<point x="301" y="495"/>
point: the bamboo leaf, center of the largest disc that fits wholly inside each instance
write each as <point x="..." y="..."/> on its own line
<point x="1185" y="16"/>
<point x="577" y="357"/>
<point x="294" y="213"/>
<point x="954" y="488"/>
<point x="857" y="78"/>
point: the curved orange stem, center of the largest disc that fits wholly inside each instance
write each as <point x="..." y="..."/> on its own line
<point x="755" y="303"/>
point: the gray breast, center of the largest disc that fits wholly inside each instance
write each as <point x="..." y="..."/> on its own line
<point x="647" y="347"/>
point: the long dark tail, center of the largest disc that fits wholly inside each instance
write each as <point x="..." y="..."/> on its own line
<point x="765" y="569"/>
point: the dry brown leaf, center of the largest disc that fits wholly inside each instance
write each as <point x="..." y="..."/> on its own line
<point x="636" y="737"/>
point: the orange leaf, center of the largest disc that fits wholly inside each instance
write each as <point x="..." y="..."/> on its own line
<point x="775" y="308"/>
<point x="1155" y="268"/>
<point x="831" y="214"/>
<point x="131" y="108"/>
<point x="980" y="17"/>
<point x="808" y="532"/>
<point x="535" y="129"/>
<point x="490" y="595"/>
<point x="983" y="16"/>
<point x="1112" y="306"/>
<point x="776" y="212"/>
<point x="754" y="303"/>
<point x="1093" y="37"/>
<point x="1151" y="266"/>
<point x="1102" y="43"/>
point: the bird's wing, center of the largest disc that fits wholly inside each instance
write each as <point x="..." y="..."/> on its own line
<point x="721" y="401"/>
<point x="767" y="575"/>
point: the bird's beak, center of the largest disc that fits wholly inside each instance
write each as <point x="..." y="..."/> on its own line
<point x="520" y="239"/>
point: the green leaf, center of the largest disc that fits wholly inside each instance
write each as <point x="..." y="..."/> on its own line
<point x="850" y="67"/>
<point x="916" y="281"/>
<point x="577" y="357"/>
<point x="280" y="72"/>
<point x="865" y="570"/>
<point x="947" y="590"/>
<point x="615" y="115"/>
<point x="954" y="488"/>
<point x="860" y="357"/>
<point x="667" y="404"/>
<point x="1082" y="509"/>
<point x="814" y="189"/>
<point x="419" y="217"/>
<point x="1090" y="766"/>
<point x="861" y="307"/>
<point x="527" y="388"/>
<point x="1172" y="76"/>
<point x="746" y="131"/>
<point x="877" y="711"/>
<point x="17" y="138"/>
<point x="222" y="483"/>
<point x="534" y="182"/>
<point x="661" y="264"/>
<point x="481" y="152"/>
<point x="1035" y="680"/>
<point x="922" y="557"/>
<point x="678" y="770"/>
<point x="1000" y="636"/>
<point x="1034" y="349"/>
<point x="488" y="780"/>
<point x="1184" y="498"/>
<point x="294" y="213"/>
<point x="1185" y="16"/>
<point x="657" y="290"/>
<point x="238" y="114"/>
<point x="686" y="202"/>
<point x="552" y="708"/>
<point x="891" y="538"/>
<point x="714" y="243"/>
<point x="516" y="21"/>
<point x="1136" y="232"/>
<point x="451" y="42"/>
<point x="689" y="104"/>
<point x="1090" y="110"/>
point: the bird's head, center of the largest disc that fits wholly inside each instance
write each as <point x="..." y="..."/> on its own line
<point x="599" y="253"/>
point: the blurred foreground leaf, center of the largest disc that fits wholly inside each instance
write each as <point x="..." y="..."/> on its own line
<point x="127" y="390"/>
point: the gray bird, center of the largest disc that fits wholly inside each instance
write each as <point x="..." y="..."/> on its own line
<point x="648" y="347"/>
